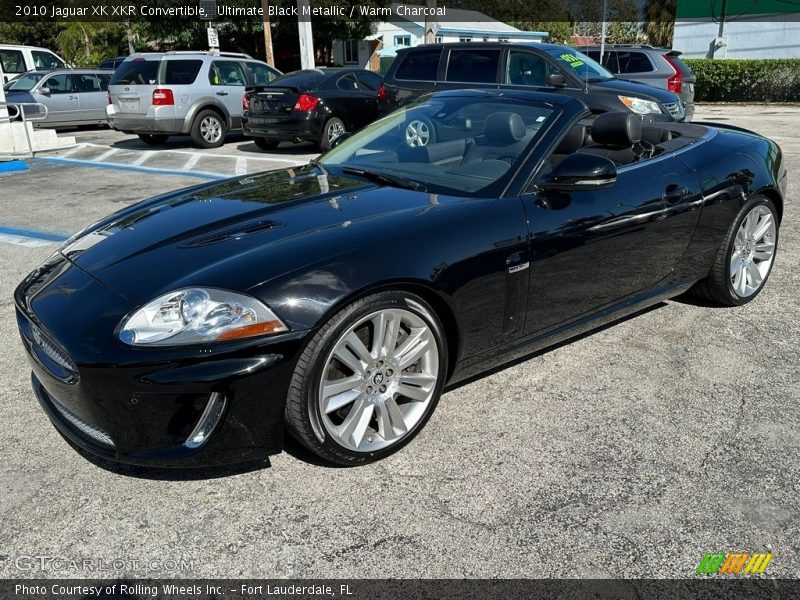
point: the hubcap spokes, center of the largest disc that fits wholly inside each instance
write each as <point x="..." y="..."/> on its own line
<point x="753" y="251"/>
<point x="336" y="129"/>
<point x="210" y="129"/>
<point x="417" y="134"/>
<point x="379" y="380"/>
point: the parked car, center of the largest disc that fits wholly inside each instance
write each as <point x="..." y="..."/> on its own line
<point x="72" y="96"/>
<point x="159" y="94"/>
<point x="315" y="105"/>
<point x="338" y="298"/>
<point x="112" y="63"/>
<point x="659" y="67"/>
<point x="19" y="59"/>
<point x="524" y="66"/>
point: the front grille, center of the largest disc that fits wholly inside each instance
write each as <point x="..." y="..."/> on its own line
<point x="90" y="431"/>
<point x="676" y="109"/>
<point x="52" y="351"/>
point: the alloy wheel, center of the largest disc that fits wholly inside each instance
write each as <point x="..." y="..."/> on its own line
<point x="378" y="380"/>
<point x="753" y="251"/>
<point x="335" y="129"/>
<point x="211" y="129"/>
<point x="418" y="133"/>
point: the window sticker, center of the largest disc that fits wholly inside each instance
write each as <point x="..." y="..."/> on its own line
<point x="572" y="60"/>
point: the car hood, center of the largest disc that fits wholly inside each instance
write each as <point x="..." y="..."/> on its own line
<point x="12" y="97"/>
<point x="241" y="232"/>
<point x="624" y="86"/>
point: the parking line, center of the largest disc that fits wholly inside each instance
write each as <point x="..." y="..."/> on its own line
<point x="145" y="155"/>
<point x="29" y="237"/>
<point x="105" y="155"/>
<point x="191" y="162"/>
<point x="241" y="165"/>
<point x="122" y="167"/>
<point x="288" y="161"/>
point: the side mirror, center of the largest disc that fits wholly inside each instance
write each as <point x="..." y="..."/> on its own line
<point x="340" y="139"/>
<point x="44" y="91"/>
<point x="581" y="172"/>
<point x="556" y="80"/>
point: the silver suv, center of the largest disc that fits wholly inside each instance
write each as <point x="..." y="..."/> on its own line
<point x="159" y="94"/>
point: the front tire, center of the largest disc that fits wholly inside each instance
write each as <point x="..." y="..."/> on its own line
<point x="369" y="380"/>
<point x="208" y="130"/>
<point x="745" y="258"/>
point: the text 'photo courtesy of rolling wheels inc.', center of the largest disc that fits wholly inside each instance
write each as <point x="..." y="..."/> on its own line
<point x="390" y="300"/>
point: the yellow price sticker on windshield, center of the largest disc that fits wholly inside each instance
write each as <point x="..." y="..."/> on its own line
<point x="572" y="60"/>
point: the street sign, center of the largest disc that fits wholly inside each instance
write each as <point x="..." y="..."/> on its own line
<point x="209" y="10"/>
<point x="213" y="38"/>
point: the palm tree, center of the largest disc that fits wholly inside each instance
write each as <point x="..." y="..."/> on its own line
<point x="659" y="16"/>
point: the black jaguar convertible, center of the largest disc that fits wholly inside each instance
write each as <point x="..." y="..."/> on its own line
<point x="335" y="300"/>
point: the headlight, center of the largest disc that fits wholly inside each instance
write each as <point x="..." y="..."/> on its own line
<point x="640" y="106"/>
<point x="198" y="315"/>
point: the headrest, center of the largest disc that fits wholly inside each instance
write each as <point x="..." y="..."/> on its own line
<point x="656" y="135"/>
<point x="617" y="129"/>
<point x="573" y="140"/>
<point x="503" y="128"/>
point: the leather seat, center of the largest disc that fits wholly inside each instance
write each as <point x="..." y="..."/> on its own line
<point x="617" y="136"/>
<point x="504" y="138"/>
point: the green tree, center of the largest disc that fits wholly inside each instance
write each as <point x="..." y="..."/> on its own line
<point x="659" y="17"/>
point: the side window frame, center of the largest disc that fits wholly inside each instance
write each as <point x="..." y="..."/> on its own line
<point x="18" y="53"/>
<point x="213" y="68"/>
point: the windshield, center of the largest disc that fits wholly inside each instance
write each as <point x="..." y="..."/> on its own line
<point x="462" y="145"/>
<point x="581" y="65"/>
<point x="24" y="83"/>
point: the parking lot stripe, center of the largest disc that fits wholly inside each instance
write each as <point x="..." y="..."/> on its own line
<point x="191" y="162"/>
<point x="105" y="155"/>
<point x="29" y="237"/>
<point x="121" y="167"/>
<point x="143" y="157"/>
<point x="241" y="165"/>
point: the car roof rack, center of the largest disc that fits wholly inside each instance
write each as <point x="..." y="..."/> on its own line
<point x="207" y="53"/>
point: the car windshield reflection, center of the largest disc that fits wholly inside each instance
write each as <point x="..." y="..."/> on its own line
<point x="459" y="145"/>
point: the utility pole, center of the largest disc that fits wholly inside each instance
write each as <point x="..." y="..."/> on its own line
<point x="305" y="35"/>
<point x="430" y="23"/>
<point x="603" y="30"/>
<point x="267" y="33"/>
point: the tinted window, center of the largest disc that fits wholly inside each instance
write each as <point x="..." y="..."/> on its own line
<point x="59" y="84"/>
<point x="226" y="72"/>
<point x="136" y="72"/>
<point x="302" y="80"/>
<point x="421" y="65"/>
<point x="347" y="83"/>
<point x="12" y="61"/>
<point x="369" y="81"/>
<point x="90" y="83"/>
<point x="578" y="63"/>
<point x="23" y="83"/>
<point x="181" y="72"/>
<point x="260" y="73"/>
<point x="634" y="62"/>
<point x="46" y="60"/>
<point x="474" y="66"/>
<point x="526" y="68"/>
<point x="609" y="59"/>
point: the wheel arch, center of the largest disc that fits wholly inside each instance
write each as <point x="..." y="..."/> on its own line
<point x="775" y="196"/>
<point x="200" y="106"/>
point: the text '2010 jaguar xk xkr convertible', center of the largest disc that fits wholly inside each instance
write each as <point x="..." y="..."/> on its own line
<point x="336" y="299"/>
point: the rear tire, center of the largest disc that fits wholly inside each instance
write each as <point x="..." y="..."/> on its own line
<point x="153" y="139"/>
<point x="745" y="258"/>
<point x="208" y="129"/>
<point x="334" y="127"/>
<point x="354" y="415"/>
<point x="266" y="143"/>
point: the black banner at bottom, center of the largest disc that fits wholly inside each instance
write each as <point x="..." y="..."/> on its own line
<point x="419" y="589"/>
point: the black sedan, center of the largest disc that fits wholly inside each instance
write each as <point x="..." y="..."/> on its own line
<point x="337" y="299"/>
<point x="314" y="105"/>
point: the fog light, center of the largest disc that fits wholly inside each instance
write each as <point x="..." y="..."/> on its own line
<point x="208" y="421"/>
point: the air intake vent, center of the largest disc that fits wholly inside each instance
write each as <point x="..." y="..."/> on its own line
<point x="233" y="233"/>
<point x="93" y="433"/>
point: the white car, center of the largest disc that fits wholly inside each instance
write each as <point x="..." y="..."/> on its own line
<point x="16" y="60"/>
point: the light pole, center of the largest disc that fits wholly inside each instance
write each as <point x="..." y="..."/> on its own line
<point x="305" y="35"/>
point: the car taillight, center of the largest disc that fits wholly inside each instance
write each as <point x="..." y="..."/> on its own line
<point x="675" y="82"/>
<point x="246" y="102"/>
<point x="163" y="97"/>
<point x="381" y="94"/>
<point x="305" y="103"/>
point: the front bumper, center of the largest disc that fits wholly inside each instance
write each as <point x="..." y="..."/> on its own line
<point x="142" y="406"/>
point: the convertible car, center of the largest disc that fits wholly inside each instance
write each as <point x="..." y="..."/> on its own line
<point x="335" y="300"/>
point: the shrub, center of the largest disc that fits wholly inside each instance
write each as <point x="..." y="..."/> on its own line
<point x="746" y="80"/>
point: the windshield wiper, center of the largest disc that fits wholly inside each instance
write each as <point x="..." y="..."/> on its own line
<point x="383" y="178"/>
<point x="314" y="162"/>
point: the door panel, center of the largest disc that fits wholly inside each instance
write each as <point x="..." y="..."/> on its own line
<point x="91" y="89"/>
<point x="590" y="249"/>
<point x="228" y="80"/>
<point x="63" y="101"/>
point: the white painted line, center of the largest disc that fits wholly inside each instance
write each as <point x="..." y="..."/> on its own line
<point x="298" y="160"/>
<point x="241" y="166"/>
<point x="191" y="162"/>
<point x="74" y="149"/>
<point x="143" y="157"/>
<point x="20" y="240"/>
<point x="105" y="155"/>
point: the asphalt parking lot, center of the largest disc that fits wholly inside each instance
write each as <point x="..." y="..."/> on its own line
<point x="630" y="452"/>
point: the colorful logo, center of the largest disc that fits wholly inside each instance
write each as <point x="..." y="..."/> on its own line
<point x="734" y="563"/>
